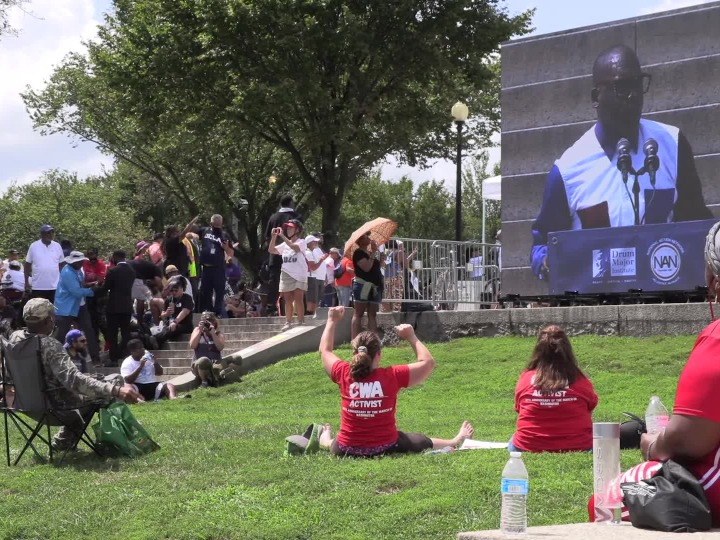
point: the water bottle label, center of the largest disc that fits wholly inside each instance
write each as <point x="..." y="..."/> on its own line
<point x="514" y="487"/>
<point x="662" y="421"/>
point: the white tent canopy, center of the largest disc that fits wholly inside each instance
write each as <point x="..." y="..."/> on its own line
<point x="491" y="191"/>
<point x="491" y="188"/>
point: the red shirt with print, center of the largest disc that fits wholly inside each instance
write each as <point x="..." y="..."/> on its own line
<point x="696" y="396"/>
<point x="367" y="418"/>
<point x="559" y="422"/>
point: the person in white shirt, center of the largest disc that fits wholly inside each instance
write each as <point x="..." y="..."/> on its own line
<point x="140" y="370"/>
<point x="43" y="262"/>
<point x="13" y="255"/>
<point x="317" y="271"/>
<point x="294" y="270"/>
<point x="14" y="278"/>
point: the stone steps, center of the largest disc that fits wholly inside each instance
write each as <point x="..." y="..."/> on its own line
<point x="230" y="337"/>
<point x="176" y="356"/>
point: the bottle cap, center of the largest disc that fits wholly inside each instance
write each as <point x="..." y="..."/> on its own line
<point x="516" y="454"/>
<point x="606" y="429"/>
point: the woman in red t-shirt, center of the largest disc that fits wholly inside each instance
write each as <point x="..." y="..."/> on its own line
<point x="553" y="398"/>
<point x="369" y="395"/>
<point x="692" y="436"/>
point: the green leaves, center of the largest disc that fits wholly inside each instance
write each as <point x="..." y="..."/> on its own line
<point x="190" y="92"/>
<point x="87" y="212"/>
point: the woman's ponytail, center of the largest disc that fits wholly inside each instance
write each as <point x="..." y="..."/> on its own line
<point x="366" y="346"/>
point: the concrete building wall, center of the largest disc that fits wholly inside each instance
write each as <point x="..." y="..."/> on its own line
<point x="546" y="106"/>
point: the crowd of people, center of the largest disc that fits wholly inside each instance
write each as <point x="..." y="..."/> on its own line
<point x="152" y="296"/>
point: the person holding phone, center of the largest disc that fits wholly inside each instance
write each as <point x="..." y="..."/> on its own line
<point x="207" y="343"/>
<point x="294" y="270"/>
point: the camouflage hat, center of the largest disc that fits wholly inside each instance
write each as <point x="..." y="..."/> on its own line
<point x="37" y="309"/>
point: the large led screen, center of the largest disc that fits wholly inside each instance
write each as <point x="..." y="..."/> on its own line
<point x="610" y="155"/>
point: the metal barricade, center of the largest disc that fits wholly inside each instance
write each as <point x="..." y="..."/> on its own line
<point x="441" y="274"/>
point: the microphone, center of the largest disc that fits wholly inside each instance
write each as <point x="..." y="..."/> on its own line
<point x="624" y="161"/>
<point x="652" y="162"/>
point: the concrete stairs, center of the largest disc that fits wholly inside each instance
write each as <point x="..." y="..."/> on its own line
<point x="176" y="356"/>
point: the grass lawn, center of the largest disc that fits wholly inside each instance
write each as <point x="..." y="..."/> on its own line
<point x="221" y="472"/>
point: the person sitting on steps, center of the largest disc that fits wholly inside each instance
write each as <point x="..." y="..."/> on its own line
<point x="207" y="343"/>
<point x="369" y="395"/>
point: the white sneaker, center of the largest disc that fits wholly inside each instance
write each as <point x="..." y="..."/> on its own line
<point x="286" y="326"/>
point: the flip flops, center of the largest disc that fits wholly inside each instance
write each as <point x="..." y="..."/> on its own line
<point x="305" y="444"/>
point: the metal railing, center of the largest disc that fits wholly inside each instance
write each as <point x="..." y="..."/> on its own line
<point x="444" y="274"/>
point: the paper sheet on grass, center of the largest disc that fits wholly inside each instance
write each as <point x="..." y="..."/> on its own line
<point x="471" y="444"/>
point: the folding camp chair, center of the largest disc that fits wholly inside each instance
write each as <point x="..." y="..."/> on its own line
<point x="27" y="401"/>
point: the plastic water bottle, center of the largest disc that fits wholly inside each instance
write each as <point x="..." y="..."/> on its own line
<point x="656" y="416"/>
<point x="514" y="490"/>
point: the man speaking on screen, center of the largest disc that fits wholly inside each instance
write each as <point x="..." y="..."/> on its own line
<point x="591" y="185"/>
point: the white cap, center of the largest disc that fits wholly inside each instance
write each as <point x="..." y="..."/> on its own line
<point x="516" y="454"/>
<point x="311" y="238"/>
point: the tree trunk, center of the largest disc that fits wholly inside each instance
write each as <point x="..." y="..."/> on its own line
<point x="331" y="220"/>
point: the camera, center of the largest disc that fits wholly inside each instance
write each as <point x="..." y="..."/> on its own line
<point x="206" y="325"/>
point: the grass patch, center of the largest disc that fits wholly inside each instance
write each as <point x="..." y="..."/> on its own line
<point x="221" y="474"/>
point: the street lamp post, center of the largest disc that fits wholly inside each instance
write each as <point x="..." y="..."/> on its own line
<point x="459" y="113"/>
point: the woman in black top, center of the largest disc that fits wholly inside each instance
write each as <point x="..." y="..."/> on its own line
<point x="367" y="284"/>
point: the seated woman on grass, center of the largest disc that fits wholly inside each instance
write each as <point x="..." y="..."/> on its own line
<point x="692" y="437"/>
<point x="369" y="395"/>
<point x="554" y="399"/>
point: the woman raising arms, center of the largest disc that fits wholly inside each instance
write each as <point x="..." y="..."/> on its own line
<point x="369" y="395"/>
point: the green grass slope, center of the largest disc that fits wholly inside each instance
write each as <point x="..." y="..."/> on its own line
<point x="221" y="473"/>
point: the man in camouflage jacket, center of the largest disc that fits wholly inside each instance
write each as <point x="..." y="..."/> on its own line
<point x="68" y="389"/>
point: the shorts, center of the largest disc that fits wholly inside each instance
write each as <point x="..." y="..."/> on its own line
<point x="150" y="391"/>
<point x="315" y="290"/>
<point x="290" y="284"/>
<point x="407" y="443"/>
<point x="367" y="292"/>
<point x="140" y="291"/>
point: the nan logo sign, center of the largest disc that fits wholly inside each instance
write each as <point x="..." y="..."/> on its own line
<point x="665" y="258"/>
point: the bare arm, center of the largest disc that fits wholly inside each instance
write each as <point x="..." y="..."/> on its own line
<point x="312" y="266"/>
<point x="688" y="437"/>
<point x="28" y="273"/>
<point x="327" y="340"/>
<point x="219" y="340"/>
<point x="134" y="375"/>
<point x="158" y="368"/>
<point x="424" y="363"/>
<point x="184" y="313"/>
<point x="189" y="226"/>
<point x="195" y="338"/>
<point x="294" y="246"/>
<point x="271" y="247"/>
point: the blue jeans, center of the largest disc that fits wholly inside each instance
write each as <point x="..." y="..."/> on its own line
<point x="511" y="445"/>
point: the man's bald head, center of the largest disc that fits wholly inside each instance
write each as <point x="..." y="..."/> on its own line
<point x="617" y="62"/>
<point x="617" y="94"/>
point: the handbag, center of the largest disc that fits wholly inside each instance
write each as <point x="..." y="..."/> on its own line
<point x="671" y="501"/>
<point x="118" y="432"/>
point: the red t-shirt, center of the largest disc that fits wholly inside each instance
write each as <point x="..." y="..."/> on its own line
<point x="94" y="271"/>
<point x="554" y="423"/>
<point x="346" y="279"/>
<point x="696" y="395"/>
<point x="367" y="418"/>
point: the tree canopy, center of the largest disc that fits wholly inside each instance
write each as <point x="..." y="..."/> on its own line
<point x="324" y="89"/>
<point x="89" y="213"/>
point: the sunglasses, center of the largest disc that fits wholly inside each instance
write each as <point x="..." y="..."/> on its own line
<point x="82" y="340"/>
